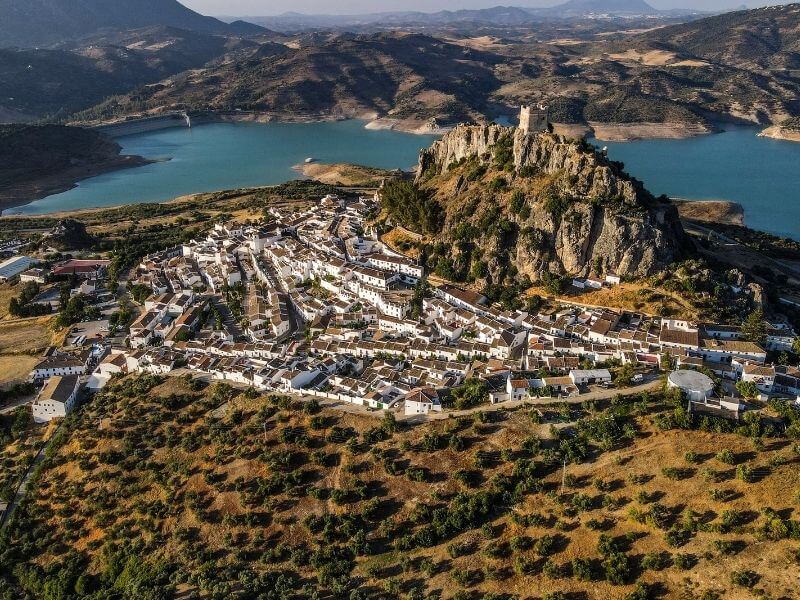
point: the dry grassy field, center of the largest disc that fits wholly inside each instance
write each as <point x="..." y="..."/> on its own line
<point x="27" y="336"/>
<point x="16" y="368"/>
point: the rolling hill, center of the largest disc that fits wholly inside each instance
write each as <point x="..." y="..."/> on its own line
<point x="691" y="76"/>
<point x="54" y="83"/>
<point x="36" y="23"/>
<point x="221" y="493"/>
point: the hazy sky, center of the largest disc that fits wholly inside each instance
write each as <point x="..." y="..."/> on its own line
<point x="273" y="7"/>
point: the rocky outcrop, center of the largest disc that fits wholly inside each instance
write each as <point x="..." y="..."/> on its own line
<point x="596" y="239"/>
<point x="582" y="214"/>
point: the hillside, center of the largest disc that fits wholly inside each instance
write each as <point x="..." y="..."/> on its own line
<point x="36" y="23"/>
<point x="54" y="83"/>
<point x="500" y="209"/>
<point x="765" y="38"/>
<point x="397" y="74"/>
<point x="162" y="488"/>
<point x="36" y="161"/>
<point x="668" y="77"/>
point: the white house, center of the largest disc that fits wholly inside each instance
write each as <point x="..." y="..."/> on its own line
<point x="58" y="365"/>
<point x="517" y="389"/>
<point x="590" y="376"/>
<point x="57" y="398"/>
<point x="422" y="401"/>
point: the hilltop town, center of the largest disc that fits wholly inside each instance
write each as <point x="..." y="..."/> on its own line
<point x="313" y="304"/>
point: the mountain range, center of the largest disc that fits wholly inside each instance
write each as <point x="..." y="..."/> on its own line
<point x="739" y="67"/>
<point x="37" y="23"/>
<point x="497" y="15"/>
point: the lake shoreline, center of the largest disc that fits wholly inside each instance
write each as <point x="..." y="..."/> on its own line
<point x="56" y="183"/>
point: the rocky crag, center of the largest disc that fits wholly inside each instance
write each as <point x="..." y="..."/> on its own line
<point x="518" y="206"/>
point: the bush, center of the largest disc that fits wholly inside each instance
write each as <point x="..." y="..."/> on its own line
<point x="684" y="562"/>
<point x="616" y="568"/>
<point x="726" y="456"/>
<point x="641" y="592"/>
<point x="582" y="569"/>
<point x="746" y="579"/>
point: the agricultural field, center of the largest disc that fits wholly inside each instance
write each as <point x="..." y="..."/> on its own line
<point x="160" y="488"/>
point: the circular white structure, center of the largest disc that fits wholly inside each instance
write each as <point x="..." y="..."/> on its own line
<point x="695" y="385"/>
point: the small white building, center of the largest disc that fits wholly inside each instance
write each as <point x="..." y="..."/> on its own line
<point x="34" y="275"/>
<point x="422" y="401"/>
<point x="697" y="386"/>
<point x="58" y="365"/>
<point x="590" y="376"/>
<point x="57" y="398"/>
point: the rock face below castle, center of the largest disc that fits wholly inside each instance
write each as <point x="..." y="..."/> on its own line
<point x="582" y="214"/>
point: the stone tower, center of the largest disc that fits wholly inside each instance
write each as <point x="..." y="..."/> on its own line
<point x="534" y="119"/>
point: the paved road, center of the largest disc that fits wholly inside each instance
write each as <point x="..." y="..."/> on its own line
<point x="653" y="383"/>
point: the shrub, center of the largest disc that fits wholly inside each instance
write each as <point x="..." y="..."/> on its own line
<point x="726" y="456"/>
<point x="582" y="569"/>
<point x="745" y="473"/>
<point x="641" y="592"/>
<point x="545" y="545"/>
<point x="746" y="579"/>
<point x="617" y="568"/>
<point x="684" y="562"/>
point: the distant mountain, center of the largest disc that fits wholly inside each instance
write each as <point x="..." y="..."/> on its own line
<point x="608" y="7"/>
<point x="742" y="67"/>
<point x="41" y="23"/>
<point x="406" y="75"/>
<point x="497" y="15"/>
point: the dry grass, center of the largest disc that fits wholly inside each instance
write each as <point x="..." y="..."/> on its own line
<point x="636" y="297"/>
<point x="7" y="292"/>
<point x="26" y="336"/>
<point x="344" y="174"/>
<point x="401" y="240"/>
<point x="16" y="368"/>
<point x="711" y="211"/>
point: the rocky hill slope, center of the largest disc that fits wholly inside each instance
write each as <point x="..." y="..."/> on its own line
<point x="55" y="83"/>
<point x="513" y="207"/>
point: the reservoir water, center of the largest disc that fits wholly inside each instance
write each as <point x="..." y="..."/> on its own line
<point x="222" y="156"/>
<point x="761" y="174"/>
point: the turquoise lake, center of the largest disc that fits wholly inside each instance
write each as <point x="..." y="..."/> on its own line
<point x="222" y="156"/>
<point x="761" y="174"/>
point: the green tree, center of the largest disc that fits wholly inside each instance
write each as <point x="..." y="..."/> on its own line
<point x="748" y="389"/>
<point x="754" y="329"/>
<point x="473" y="393"/>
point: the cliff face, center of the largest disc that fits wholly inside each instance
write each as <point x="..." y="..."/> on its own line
<point x="523" y="205"/>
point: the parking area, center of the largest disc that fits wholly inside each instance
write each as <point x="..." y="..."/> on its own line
<point x="87" y="332"/>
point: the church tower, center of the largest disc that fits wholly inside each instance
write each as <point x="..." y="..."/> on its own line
<point x="534" y="119"/>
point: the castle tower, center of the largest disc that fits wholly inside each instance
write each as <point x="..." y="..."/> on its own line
<point x="534" y="119"/>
